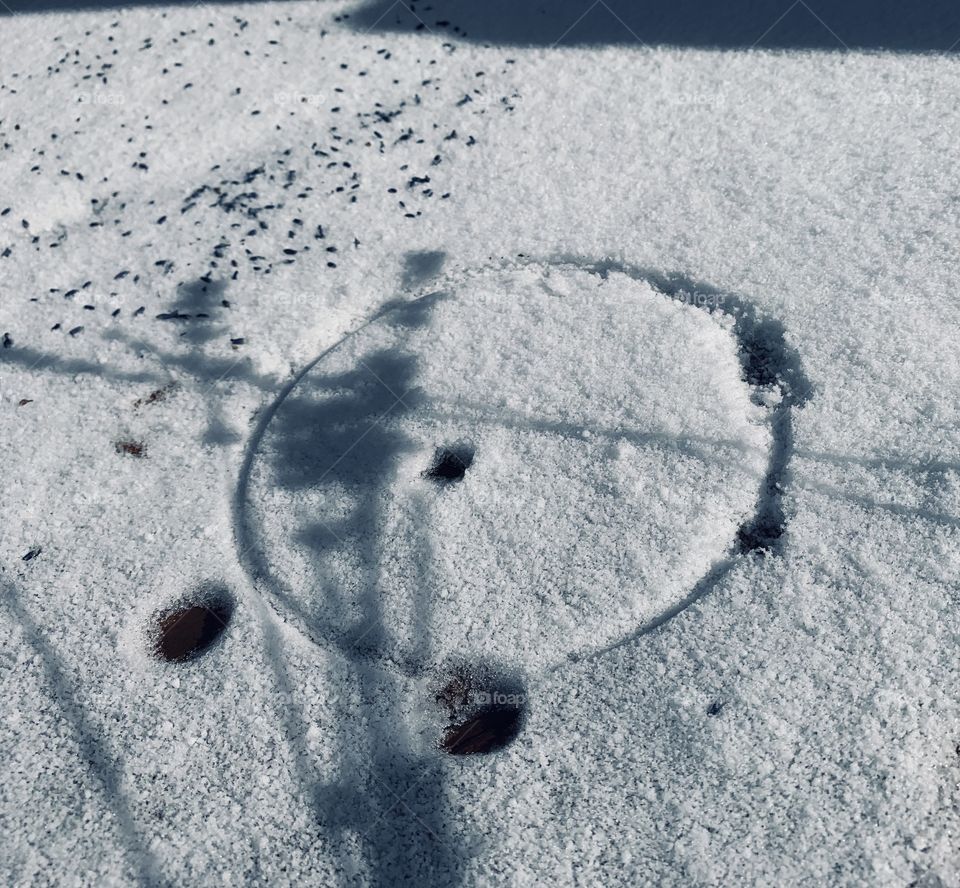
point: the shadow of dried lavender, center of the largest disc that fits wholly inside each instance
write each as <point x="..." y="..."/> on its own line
<point x="330" y="429"/>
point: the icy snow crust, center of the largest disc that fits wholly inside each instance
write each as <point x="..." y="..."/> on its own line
<point x="603" y="485"/>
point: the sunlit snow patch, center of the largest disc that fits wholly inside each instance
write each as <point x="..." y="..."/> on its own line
<point x="612" y="453"/>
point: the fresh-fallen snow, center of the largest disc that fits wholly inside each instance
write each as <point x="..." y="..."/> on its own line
<point x="798" y="724"/>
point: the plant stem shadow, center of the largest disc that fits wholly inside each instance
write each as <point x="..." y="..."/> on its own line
<point x="93" y="750"/>
<point x="337" y="430"/>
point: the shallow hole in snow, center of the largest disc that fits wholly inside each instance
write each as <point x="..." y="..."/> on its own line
<point x="188" y="630"/>
<point x="450" y="464"/>
<point x="491" y="729"/>
<point x="486" y="711"/>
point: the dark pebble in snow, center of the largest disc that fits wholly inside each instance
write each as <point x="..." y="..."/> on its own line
<point x="486" y="712"/>
<point x="491" y="729"/>
<point x="188" y="630"/>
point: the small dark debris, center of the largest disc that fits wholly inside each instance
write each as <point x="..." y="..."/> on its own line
<point x="132" y="448"/>
<point x="450" y="464"/>
<point x="455" y="694"/>
<point x="157" y="395"/>
<point x="33" y="553"/>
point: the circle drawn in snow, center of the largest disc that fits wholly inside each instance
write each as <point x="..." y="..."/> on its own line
<point x="524" y="467"/>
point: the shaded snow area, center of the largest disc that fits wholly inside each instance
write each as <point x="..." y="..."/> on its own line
<point x="480" y="446"/>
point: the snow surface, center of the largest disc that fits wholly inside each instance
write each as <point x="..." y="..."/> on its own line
<point x="601" y="487"/>
<point x="795" y="723"/>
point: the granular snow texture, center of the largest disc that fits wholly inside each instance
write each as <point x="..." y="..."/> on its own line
<point x="735" y="268"/>
<point x="592" y="491"/>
